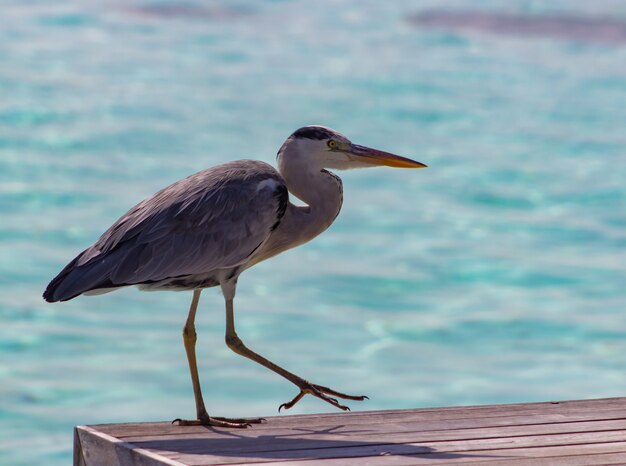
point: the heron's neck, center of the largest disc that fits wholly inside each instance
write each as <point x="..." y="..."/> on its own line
<point x="322" y="192"/>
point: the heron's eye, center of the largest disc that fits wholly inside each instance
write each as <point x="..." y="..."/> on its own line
<point x="332" y="144"/>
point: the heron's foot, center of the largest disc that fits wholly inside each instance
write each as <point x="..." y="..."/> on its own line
<point x="206" y="420"/>
<point x="323" y="393"/>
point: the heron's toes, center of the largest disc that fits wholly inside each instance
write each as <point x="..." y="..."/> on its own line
<point x="322" y="393"/>
<point x="237" y="423"/>
<point x="245" y="420"/>
<point x="330" y="391"/>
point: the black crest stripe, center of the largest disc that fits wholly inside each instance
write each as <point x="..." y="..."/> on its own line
<point x="313" y="132"/>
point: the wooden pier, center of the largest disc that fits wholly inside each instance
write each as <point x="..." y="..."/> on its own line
<point x="587" y="432"/>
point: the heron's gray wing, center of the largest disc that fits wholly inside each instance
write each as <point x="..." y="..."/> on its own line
<point x="212" y="220"/>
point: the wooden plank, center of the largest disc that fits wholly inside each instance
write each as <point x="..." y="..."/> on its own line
<point x="582" y="460"/>
<point x="192" y="451"/>
<point x="430" y="420"/>
<point x="572" y="432"/>
<point x="595" y="454"/>
<point x="365" y="429"/>
<point x="295" y="439"/>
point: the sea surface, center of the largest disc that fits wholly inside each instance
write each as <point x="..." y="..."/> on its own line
<point x="496" y="275"/>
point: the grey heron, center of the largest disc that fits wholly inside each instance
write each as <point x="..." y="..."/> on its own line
<point x="206" y="229"/>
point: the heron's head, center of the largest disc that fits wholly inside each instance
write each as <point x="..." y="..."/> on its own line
<point x="318" y="147"/>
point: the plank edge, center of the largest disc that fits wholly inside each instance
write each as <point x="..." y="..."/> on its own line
<point x="95" y="448"/>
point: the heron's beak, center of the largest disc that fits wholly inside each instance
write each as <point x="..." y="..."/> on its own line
<point x="378" y="157"/>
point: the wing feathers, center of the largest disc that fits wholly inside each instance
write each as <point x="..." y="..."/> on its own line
<point x="212" y="220"/>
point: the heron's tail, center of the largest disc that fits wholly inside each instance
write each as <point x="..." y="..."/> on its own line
<point x="76" y="279"/>
<point x="52" y="293"/>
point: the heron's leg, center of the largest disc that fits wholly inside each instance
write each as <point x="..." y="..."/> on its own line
<point x="189" y="340"/>
<point x="234" y="343"/>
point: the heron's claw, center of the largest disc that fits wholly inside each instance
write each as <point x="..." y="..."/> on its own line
<point x="236" y="423"/>
<point x="322" y="393"/>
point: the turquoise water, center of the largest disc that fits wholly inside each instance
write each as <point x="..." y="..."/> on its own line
<point x="496" y="275"/>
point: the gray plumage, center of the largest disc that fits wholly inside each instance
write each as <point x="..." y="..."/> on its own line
<point x="183" y="236"/>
